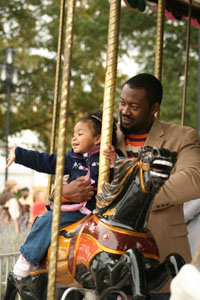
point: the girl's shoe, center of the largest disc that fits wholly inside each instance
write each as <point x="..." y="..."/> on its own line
<point x="22" y="267"/>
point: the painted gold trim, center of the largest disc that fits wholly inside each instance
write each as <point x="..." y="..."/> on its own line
<point x="76" y="247"/>
<point x="36" y="272"/>
<point x="143" y="166"/>
<point x="110" y="212"/>
<point x="120" y="230"/>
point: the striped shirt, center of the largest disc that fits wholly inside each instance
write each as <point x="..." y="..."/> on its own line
<point x="133" y="142"/>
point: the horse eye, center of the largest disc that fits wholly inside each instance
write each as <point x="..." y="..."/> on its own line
<point x="155" y="152"/>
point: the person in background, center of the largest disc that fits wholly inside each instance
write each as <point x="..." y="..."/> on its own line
<point x="186" y="284"/>
<point x="26" y="201"/>
<point x="192" y="219"/>
<point x="39" y="205"/>
<point x="10" y="203"/>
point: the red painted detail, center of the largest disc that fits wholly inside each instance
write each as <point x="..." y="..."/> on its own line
<point x="120" y="240"/>
<point x="85" y="249"/>
<point x="105" y="237"/>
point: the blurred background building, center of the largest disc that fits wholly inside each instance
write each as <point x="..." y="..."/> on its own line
<point x="24" y="176"/>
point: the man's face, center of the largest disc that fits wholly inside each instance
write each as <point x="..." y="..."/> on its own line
<point x="25" y="193"/>
<point x="136" y="115"/>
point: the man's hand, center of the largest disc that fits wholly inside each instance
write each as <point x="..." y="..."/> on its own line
<point x="11" y="157"/>
<point x="78" y="190"/>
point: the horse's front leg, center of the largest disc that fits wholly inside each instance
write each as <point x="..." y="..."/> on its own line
<point x="111" y="274"/>
<point x="160" y="273"/>
<point x="11" y="290"/>
<point x="135" y="263"/>
<point x="29" y="288"/>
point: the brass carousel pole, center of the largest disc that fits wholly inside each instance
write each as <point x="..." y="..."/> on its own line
<point x="56" y="91"/>
<point x="109" y="89"/>
<point x="186" y="64"/>
<point x="159" y="41"/>
<point x="61" y="148"/>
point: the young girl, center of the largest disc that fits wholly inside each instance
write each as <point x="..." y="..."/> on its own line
<point x="39" y="205"/>
<point x="81" y="160"/>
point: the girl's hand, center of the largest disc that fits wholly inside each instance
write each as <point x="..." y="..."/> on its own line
<point x="110" y="154"/>
<point x="11" y="157"/>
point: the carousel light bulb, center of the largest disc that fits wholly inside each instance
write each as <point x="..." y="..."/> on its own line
<point x="9" y="55"/>
<point x="3" y="73"/>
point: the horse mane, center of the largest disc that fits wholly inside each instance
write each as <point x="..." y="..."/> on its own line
<point x="123" y="169"/>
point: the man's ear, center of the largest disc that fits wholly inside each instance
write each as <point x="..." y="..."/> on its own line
<point x="98" y="139"/>
<point x="155" y="108"/>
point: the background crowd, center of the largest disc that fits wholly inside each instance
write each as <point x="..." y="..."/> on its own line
<point x="19" y="207"/>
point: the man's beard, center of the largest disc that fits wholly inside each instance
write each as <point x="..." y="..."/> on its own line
<point x="126" y="130"/>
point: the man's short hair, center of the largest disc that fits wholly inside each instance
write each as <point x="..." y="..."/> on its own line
<point x="150" y="84"/>
<point x="25" y="189"/>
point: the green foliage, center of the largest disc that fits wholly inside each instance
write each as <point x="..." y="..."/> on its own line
<point x="31" y="28"/>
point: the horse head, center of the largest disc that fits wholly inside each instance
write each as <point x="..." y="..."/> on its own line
<point x="128" y="198"/>
<point x="155" y="166"/>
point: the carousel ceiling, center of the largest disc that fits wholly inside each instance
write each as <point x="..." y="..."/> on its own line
<point x="174" y="9"/>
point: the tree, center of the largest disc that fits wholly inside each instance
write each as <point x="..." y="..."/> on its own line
<point x="31" y="27"/>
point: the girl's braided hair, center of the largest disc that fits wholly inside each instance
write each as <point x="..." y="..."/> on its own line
<point x="96" y="118"/>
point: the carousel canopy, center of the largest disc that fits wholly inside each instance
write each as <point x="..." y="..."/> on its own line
<point x="174" y="9"/>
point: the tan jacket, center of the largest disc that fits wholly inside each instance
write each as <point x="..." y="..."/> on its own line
<point x="166" y="219"/>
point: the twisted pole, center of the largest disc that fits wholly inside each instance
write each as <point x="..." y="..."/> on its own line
<point x="109" y="89"/>
<point x="159" y="41"/>
<point x="56" y="90"/>
<point x="186" y="64"/>
<point x="61" y="148"/>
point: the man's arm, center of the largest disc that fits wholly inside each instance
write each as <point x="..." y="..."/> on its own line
<point x="191" y="210"/>
<point x="184" y="184"/>
<point x="79" y="190"/>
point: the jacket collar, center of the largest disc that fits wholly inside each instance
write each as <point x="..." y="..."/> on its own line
<point x="94" y="150"/>
<point x="155" y="136"/>
<point x="89" y="153"/>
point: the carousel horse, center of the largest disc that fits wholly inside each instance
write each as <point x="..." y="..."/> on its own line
<point x="111" y="251"/>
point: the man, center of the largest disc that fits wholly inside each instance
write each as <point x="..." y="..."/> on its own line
<point x="140" y="99"/>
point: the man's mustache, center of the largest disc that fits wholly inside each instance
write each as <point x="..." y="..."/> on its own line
<point x="127" y="116"/>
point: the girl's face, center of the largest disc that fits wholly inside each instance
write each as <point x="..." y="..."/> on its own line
<point x="83" y="138"/>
